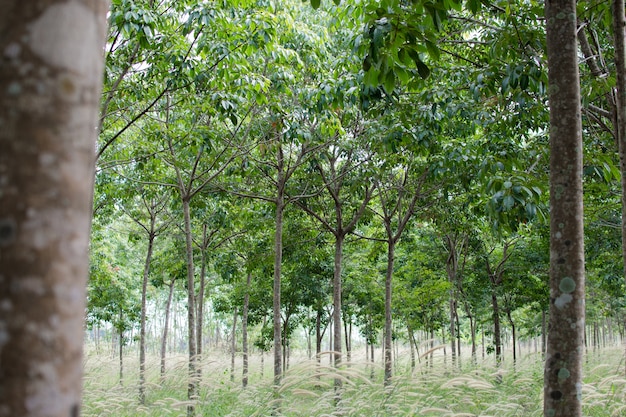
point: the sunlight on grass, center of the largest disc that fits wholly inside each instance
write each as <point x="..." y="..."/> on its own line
<point x="308" y="389"/>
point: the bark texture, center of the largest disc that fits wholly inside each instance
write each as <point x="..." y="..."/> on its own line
<point x="142" y="329"/>
<point x="244" y="330"/>
<point x="391" y="248"/>
<point x="50" y="77"/>
<point x="619" y="41"/>
<point x="619" y="23"/>
<point x="281" y="180"/>
<point x="563" y="367"/>
<point x="192" y="386"/>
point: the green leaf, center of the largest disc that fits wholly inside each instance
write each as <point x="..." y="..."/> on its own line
<point x="433" y="50"/>
<point x="474" y="5"/>
<point x="403" y="76"/>
<point x="422" y="69"/>
<point x="508" y="202"/>
<point x="316" y="3"/>
<point x="523" y="81"/>
<point x="371" y="78"/>
<point x="390" y="82"/>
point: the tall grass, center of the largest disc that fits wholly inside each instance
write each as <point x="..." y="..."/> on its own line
<point x="436" y="389"/>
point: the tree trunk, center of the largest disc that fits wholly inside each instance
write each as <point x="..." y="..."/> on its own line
<point x="168" y="307"/>
<point x="508" y="315"/>
<point x="347" y="329"/>
<point x="544" y="333"/>
<point x="233" y="346"/>
<point x="452" y="325"/>
<point x="451" y="269"/>
<point x="412" y="346"/>
<point x="482" y="340"/>
<point x="200" y="302"/>
<point x="142" y="331"/>
<point x="97" y="337"/>
<point x="458" y="335"/>
<point x="318" y="336"/>
<point x="120" y="347"/>
<point x="473" y="336"/>
<point x="263" y="351"/>
<point x="388" y="322"/>
<point x="619" y="24"/>
<point x="244" y="331"/>
<point x="372" y="350"/>
<point x="278" y="259"/>
<point x="497" y="338"/>
<point x="192" y="387"/>
<point x="309" y="343"/>
<point x="47" y="142"/>
<point x="563" y="367"/>
<point x="337" y="303"/>
<point x="284" y="341"/>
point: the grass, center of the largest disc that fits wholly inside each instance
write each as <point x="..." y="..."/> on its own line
<point x="308" y="389"/>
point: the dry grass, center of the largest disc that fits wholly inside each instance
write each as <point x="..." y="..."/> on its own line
<point x="308" y="389"/>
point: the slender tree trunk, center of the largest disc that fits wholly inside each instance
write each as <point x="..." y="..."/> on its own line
<point x="388" y="322"/>
<point x="417" y="350"/>
<point x="318" y="336"/>
<point x="47" y="142"/>
<point x="473" y="336"/>
<point x="451" y="269"/>
<point x="337" y="303"/>
<point x="482" y="340"/>
<point x="285" y="332"/>
<point x="345" y="338"/>
<point x="200" y="303"/>
<point x="233" y="346"/>
<point x="372" y="353"/>
<point x="544" y="333"/>
<point x="563" y="368"/>
<point x="278" y="256"/>
<point x="508" y="315"/>
<point x="619" y="24"/>
<point x="142" y="331"/>
<point x="309" y="343"/>
<point x="244" y="330"/>
<point x="497" y="338"/>
<point x="97" y="337"/>
<point x="120" y="347"/>
<point x="412" y="346"/>
<point x="458" y="336"/>
<point x="192" y="388"/>
<point x="166" y="323"/>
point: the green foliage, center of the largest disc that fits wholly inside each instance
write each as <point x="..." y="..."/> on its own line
<point x="349" y="95"/>
<point x="112" y="294"/>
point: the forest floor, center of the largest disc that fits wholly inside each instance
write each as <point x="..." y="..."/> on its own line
<point x="435" y="389"/>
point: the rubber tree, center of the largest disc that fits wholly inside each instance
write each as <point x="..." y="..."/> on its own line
<point x="149" y="213"/>
<point x="50" y="78"/>
<point x="348" y="197"/>
<point x="397" y="195"/>
<point x="563" y="366"/>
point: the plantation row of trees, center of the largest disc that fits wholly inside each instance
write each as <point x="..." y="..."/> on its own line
<point x="371" y="164"/>
<point x="367" y="165"/>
